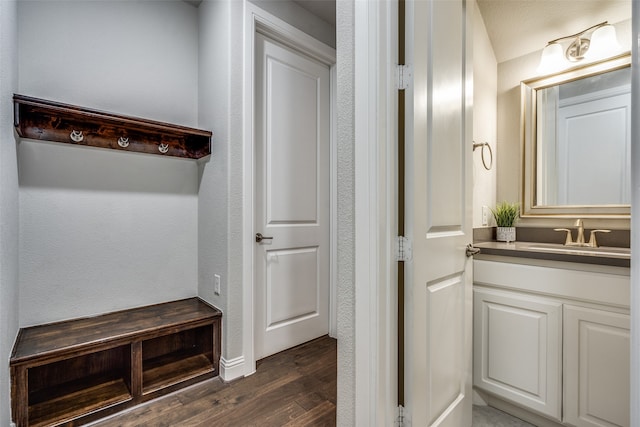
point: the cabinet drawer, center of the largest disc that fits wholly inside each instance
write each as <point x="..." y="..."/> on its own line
<point x="588" y="286"/>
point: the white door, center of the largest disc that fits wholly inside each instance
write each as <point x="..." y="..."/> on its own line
<point x="292" y="136"/>
<point x="439" y="294"/>
<point x="588" y="176"/>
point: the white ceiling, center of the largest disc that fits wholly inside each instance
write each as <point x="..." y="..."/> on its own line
<point x="518" y="27"/>
<point x="324" y="9"/>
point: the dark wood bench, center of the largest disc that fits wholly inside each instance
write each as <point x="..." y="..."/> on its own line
<point x="79" y="370"/>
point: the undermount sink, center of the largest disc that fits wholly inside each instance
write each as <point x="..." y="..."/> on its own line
<point x="579" y="250"/>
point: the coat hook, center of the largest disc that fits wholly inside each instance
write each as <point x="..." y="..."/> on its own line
<point x="163" y="148"/>
<point x="123" y="142"/>
<point x="484" y="162"/>
<point x="76" y="136"/>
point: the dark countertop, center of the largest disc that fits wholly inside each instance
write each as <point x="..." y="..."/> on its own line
<point x="612" y="256"/>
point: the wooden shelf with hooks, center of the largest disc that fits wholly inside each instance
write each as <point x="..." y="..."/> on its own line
<point x="45" y="120"/>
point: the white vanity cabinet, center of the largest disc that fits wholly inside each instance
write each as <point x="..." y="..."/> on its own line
<point x="517" y="348"/>
<point x="596" y="367"/>
<point x="553" y="338"/>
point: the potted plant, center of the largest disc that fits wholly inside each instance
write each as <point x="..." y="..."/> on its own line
<point x="506" y="214"/>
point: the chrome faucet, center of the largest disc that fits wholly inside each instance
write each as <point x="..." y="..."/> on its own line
<point x="580" y="237"/>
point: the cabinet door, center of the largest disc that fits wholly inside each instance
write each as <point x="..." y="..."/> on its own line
<point x="517" y="349"/>
<point x="596" y="367"/>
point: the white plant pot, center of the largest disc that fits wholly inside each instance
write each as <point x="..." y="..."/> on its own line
<point x="506" y="234"/>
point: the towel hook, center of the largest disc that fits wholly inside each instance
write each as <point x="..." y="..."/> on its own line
<point x="76" y="136"/>
<point x="482" y="145"/>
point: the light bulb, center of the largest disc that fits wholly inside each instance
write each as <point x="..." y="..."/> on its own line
<point x="552" y="59"/>
<point x="604" y="43"/>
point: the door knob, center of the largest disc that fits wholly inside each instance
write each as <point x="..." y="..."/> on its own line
<point x="471" y="250"/>
<point x="260" y="237"/>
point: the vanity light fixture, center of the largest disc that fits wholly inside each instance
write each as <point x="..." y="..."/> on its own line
<point x="601" y="44"/>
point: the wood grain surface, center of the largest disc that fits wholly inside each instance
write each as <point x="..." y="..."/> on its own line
<point x="296" y="387"/>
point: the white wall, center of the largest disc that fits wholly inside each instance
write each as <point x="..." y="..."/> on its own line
<point x="133" y="57"/>
<point x="485" y="86"/>
<point x="346" y="408"/>
<point x="8" y="200"/>
<point x="220" y="194"/>
<point x="510" y="74"/>
<point x="102" y="230"/>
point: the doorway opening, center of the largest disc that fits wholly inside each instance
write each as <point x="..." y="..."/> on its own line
<point x="289" y="182"/>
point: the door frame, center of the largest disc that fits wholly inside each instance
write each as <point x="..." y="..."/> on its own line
<point x="257" y="20"/>
<point x="367" y="363"/>
<point x="635" y="219"/>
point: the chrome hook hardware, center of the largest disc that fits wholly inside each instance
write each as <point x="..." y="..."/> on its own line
<point x="76" y="136"/>
<point x="260" y="237"/>
<point x="123" y="142"/>
<point x="163" y="148"/>
<point x="471" y="250"/>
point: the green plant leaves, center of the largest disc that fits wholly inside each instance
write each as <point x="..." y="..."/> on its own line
<point x="506" y="214"/>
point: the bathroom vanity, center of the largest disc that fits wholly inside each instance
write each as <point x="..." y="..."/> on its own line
<point x="551" y="333"/>
<point x="551" y="320"/>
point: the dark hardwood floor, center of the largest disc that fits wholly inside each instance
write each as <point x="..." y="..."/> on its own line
<point x="294" y="388"/>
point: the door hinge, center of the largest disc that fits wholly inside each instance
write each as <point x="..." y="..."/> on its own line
<point x="400" y="418"/>
<point x="403" y="76"/>
<point x="404" y="250"/>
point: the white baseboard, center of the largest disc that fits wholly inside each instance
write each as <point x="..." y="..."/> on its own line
<point x="477" y="398"/>
<point x="519" y="412"/>
<point x="232" y="369"/>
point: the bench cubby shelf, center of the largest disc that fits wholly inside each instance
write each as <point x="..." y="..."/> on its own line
<point x="79" y="370"/>
<point x="45" y="120"/>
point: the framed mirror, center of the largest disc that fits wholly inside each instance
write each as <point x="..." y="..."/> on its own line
<point x="576" y="137"/>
